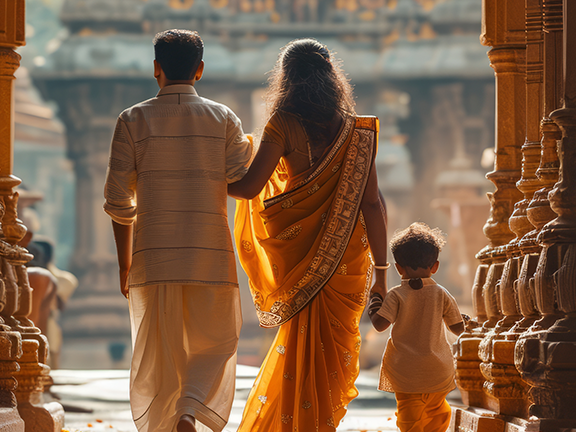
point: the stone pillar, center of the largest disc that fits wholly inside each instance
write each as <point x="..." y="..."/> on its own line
<point x="546" y="356"/>
<point x="539" y="210"/>
<point x="530" y="183"/>
<point x="22" y="348"/>
<point x="505" y="389"/>
<point x="12" y="29"/>
<point x="503" y="28"/>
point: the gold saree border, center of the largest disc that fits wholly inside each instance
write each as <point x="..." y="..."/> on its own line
<point x="340" y="223"/>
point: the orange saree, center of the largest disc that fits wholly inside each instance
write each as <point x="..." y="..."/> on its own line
<point x="304" y="247"/>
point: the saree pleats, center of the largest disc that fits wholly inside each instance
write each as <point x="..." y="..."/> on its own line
<point x="307" y="378"/>
<point x="303" y="245"/>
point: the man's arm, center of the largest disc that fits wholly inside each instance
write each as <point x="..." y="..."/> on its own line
<point x="123" y="238"/>
<point x="239" y="149"/>
<point x="258" y="174"/>
<point x="120" y="195"/>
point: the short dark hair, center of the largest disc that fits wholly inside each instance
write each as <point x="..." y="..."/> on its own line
<point x="179" y="53"/>
<point x="417" y="246"/>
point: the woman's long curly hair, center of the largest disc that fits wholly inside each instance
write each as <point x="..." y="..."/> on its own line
<point x="309" y="82"/>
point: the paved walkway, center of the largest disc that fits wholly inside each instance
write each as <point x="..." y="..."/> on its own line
<point x="97" y="400"/>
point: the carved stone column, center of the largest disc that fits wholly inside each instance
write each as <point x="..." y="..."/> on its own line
<point x="12" y="28"/>
<point x="529" y="183"/>
<point x="539" y="211"/>
<point x="19" y="340"/>
<point x="34" y="373"/>
<point x="546" y="357"/>
<point x="503" y="24"/>
<point x="505" y="389"/>
<point x="539" y="289"/>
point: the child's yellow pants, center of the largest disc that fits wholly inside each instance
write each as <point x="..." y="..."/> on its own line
<point x="423" y="412"/>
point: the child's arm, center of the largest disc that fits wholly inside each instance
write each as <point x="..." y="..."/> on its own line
<point x="459" y="328"/>
<point x="379" y="322"/>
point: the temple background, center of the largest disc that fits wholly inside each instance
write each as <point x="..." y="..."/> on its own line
<point x="418" y="65"/>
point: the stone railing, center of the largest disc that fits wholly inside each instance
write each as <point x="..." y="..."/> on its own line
<point x="23" y="349"/>
<point x="518" y="358"/>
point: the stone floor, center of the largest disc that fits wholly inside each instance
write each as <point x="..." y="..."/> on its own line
<point x="97" y="400"/>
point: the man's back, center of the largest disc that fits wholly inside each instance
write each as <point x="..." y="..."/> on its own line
<point x="171" y="159"/>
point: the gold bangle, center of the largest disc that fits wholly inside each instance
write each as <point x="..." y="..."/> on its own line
<point x="384" y="267"/>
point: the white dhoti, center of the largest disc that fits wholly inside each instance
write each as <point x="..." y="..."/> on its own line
<point x="184" y="340"/>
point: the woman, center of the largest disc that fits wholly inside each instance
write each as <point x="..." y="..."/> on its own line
<point x="303" y="241"/>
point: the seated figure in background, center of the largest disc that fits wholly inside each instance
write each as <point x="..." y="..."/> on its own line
<point x="51" y="286"/>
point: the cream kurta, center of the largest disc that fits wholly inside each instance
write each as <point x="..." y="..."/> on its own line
<point x="418" y="358"/>
<point x="171" y="159"/>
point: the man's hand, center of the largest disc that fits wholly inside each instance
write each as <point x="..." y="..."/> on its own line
<point x="124" y="282"/>
<point x="123" y="237"/>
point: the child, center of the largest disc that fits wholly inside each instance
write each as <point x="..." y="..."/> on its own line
<point x="418" y="365"/>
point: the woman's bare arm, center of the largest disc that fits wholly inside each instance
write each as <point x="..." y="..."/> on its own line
<point x="259" y="173"/>
<point x="373" y="208"/>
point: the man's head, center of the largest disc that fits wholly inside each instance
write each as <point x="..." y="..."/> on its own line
<point x="178" y="57"/>
<point x="417" y="247"/>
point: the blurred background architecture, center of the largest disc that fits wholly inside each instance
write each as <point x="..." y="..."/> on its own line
<point x="417" y="64"/>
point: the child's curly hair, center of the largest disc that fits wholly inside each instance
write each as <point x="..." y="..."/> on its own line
<point x="417" y="246"/>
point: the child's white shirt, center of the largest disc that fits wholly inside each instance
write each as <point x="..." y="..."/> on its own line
<point x="418" y="357"/>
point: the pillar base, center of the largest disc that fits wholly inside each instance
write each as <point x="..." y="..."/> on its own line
<point x="480" y="420"/>
<point x="46" y="417"/>
<point x="10" y="420"/>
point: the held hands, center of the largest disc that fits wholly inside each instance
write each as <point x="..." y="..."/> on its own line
<point x="380" y="281"/>
<point x="379" y="289"/>
<point x="375" y="304"/>
<point x="377" y="295"/>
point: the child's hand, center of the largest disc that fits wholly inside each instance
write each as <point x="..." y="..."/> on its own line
<point x="380" y="323"/>
<point x="374" y="304"/>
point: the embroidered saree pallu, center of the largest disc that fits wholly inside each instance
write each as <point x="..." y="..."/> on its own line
<point x="309" y="266"/>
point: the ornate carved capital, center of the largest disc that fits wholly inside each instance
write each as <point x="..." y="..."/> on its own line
<point x="9" y="63"/>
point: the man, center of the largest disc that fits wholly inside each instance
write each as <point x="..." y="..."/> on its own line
<point x="170" y="161"/>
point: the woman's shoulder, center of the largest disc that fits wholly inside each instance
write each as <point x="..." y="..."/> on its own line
<point x="280" y="117"/>
<point x="282" y="126"/>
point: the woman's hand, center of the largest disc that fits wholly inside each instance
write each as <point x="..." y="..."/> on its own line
<point x="380" y="282"/>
